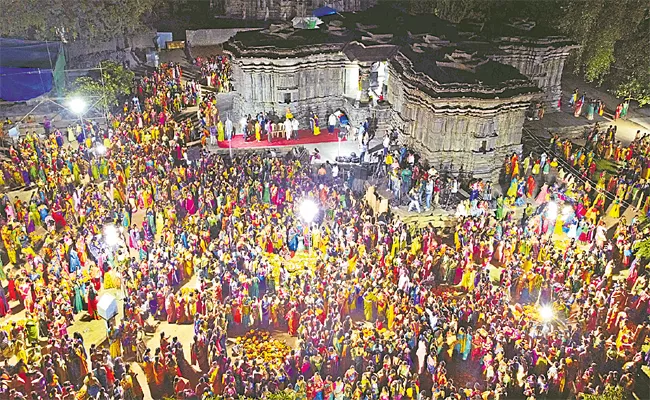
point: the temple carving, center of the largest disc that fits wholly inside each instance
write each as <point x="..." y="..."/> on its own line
<point x="457" y="92"/>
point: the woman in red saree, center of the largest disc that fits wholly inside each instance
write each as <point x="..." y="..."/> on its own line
<point x="293" y="318"/>
<point x="530" y="186"/>
<point x="236" y="312"/>
<point x="274" y="195"/>
<point x="617" y="113"/>
<point x="577" y="109"/>
<point x="269" y="243"/>
<point x="170" y="307"/>
<point x="92" y="302"/>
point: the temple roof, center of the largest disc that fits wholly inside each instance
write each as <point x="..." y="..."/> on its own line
<point x="359" y="52"/>
<point x="421" y="45"/>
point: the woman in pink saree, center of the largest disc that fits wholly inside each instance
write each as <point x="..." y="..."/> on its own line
<point x="190" y="206"/>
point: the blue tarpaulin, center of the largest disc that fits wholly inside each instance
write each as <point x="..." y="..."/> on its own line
<point x="20" y="84"/>
<point x="323" y="11"/>
<point x="30" y="68"/>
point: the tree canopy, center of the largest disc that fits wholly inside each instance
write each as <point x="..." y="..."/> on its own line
<point x="72" y="19"/>
<point x="108" y="88"/>
<point x="613" y="35"/>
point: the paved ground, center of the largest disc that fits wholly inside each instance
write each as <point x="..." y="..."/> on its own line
<point x="636" y="119"/>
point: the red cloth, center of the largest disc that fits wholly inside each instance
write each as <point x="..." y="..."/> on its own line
<point x="305" y="136"/>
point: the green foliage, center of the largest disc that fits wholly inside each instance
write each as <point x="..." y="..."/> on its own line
<point x="613" y="35"/>
<point x="641" y="246"/>
<point x="597" y="66"/>
<point x="631" y="71"/>
<point x="635" y="88"/>
<point x="288" y="394"/>
<point x="72" y="19"/>
<point x="610" y="393"/>
<point x="606" y="165"/>
<point x="598" y="26"/>
<point x="109" y="87"/>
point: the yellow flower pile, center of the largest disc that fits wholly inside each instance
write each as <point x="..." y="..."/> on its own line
<point x="261" y="346"/>
<point x="365" y="334"/>
<point x="298" y="263"/>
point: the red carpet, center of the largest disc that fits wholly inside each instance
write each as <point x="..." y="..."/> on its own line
<point x="305" y="136"/>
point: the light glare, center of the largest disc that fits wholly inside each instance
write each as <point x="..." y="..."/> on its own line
<point x="111" y="235"/>
<point x="546" y="313"/>
<point x="308" y="210"/>
<point x="77" y="105"/>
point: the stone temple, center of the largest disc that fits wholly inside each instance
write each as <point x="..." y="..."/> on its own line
<point x="458" y="93"/>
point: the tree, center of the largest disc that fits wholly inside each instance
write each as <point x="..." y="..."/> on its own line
<point x="73" y="19"/>
<point x="613" y="35"/>
<point x="597" y="26"/>
<point x="631" y="70"/>
<point x="107" y="88"/>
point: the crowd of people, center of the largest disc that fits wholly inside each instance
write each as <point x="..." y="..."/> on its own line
<point x="500" y="306"/>
<point x="216" y="71"/>
<point x="621" y="178"/>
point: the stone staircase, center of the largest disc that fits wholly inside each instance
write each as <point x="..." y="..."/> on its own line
<point x="380" y="117"/>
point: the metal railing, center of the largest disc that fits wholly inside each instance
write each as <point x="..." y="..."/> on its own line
<point x="570" y="168"/>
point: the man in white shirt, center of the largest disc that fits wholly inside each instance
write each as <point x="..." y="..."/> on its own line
<point x="229" y="132"/>
<point x="331" y="123"/>
<point x="386" y="144"/>
<point x="288" y="128"/>
<point x="295" y="128"/>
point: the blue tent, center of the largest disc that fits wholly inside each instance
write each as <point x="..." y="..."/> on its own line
<point x="323" y="11"/>
<point x="20" y="84"/>
<point x="30" y="68"/>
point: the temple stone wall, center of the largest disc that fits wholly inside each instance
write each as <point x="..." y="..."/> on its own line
<point x="287" y="9"/>
<point x="316" y="83"/>
<point x="540" y="62"/>
<point x="468" y="133"/>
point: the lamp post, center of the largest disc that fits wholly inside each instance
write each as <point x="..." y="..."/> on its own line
<point x="100" y="149"/>
<point x="78" y="106"/>
<point x="308" y="211"/>
<point x="111" y="236"/>
<point x="546" y="317"/>
<point x="546" y="313"/>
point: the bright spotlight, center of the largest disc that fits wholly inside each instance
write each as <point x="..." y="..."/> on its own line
<point x="546" y="313"/>
<point x="551" y="210"/>
<point x="77" y="105"/>
<point x="111" y="235"/>
<point x="100" y="149"/>
<point x="308" y="210"/>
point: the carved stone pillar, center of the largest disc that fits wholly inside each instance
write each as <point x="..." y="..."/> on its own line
<point x="351" y="89"/>
<point x="364" y="84"/>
